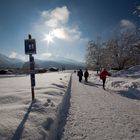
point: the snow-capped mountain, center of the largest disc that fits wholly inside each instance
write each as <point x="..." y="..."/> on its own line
<point x="6" y="62"/>
<point x="63" y="60"/>
<point x="59" y="62"/>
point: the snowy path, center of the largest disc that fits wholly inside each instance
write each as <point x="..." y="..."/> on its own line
<point x="95" y="114"/>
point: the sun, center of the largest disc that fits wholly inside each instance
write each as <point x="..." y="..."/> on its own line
<point x="49" y="38"/>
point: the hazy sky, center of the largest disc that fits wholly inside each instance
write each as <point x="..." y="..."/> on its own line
<point x="60" y="27"/>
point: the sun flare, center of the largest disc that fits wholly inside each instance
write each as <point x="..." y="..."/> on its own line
<point x="49" y="38"/>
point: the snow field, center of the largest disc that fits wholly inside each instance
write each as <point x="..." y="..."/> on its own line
<point x="68" y="110"/>
<point x="22" y="119"/>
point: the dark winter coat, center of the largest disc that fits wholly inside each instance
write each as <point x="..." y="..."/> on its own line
<point x="80" y="73"/>
<point x="86" y="74"/>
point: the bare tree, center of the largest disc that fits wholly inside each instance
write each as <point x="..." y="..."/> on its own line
<point x="137" y="10"/>
<point x="122" y="49"/>
<point x="93" y="56"/>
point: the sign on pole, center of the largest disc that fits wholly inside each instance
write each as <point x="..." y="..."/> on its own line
<point x="30" y="48"/>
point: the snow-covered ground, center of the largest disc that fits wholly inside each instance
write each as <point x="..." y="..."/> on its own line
<point x="111" y="114"/>
<point x="22" y="119"/>
<point x="68" y="110"/>
<point x="127" y="81"/>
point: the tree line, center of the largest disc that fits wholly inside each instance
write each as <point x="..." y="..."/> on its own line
<point x="120" y="51"/>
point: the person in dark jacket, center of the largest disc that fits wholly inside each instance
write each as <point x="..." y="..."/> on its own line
<point x="103" y="75"/>
<point x="80" y="75"/>
<point x="86" y="75"/>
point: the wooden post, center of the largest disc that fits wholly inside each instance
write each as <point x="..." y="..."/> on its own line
<point x="32" y="75"/>
<point x="30" y="49"/>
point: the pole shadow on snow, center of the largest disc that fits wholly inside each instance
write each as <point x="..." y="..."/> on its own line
<point x="131" y="93"/>
<point x="18" y="133"/>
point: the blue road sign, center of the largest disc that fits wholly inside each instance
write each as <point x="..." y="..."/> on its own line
<point x="30" y="46"/>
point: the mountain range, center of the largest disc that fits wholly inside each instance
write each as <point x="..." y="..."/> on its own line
<point x="6" y="62"/>
<point x="59" y="62"/>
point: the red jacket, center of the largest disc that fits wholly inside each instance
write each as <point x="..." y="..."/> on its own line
<point x="103" y="74"/>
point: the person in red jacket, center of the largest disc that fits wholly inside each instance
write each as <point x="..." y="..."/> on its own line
<point x="103" y="75"/>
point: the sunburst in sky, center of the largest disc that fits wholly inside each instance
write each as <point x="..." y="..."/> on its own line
<point x="65" y="26"/>
<point x="49" y="38"/>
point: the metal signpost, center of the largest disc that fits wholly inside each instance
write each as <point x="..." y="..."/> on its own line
<point x="30" y="48"/>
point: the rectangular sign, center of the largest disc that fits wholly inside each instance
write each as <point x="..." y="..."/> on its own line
<point x="30" y="46"/>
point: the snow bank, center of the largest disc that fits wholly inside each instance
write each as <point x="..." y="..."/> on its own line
<point x="22" y="119"/>
<point x="63" y="108"/>
<point x="124" y="80"/>
<point x="133" y="72"/>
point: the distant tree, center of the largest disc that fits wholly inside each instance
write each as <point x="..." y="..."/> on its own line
<point x="137" y="43"/>
<point x="122" y="49"/>
<point x="136" y="48"/>
<point x="93" y="56"/>
<point x="137" y="10"/>
<point x="105" y="57"/>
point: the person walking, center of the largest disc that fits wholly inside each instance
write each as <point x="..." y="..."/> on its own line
<point x="103" y="75"/>
<point x="86" y="75"/>
<point x="80" y="75"/>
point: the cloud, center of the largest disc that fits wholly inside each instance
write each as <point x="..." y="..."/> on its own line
<point x="53" y="31"/>
<point x="54" y="22"/>
<point x="16" y="55"/>
<point x="66" y="33"/>
<point x="56" y="17"/>
<point x="124" y="23"/>
<point x="60" y="33"/>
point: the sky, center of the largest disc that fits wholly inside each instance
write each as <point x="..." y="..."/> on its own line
<point x="62" y="28"/>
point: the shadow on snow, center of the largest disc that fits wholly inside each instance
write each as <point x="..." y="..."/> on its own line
<point x="20" y="128"/>
<point x="131" y="93"/>
<point x="91" y="84"/>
